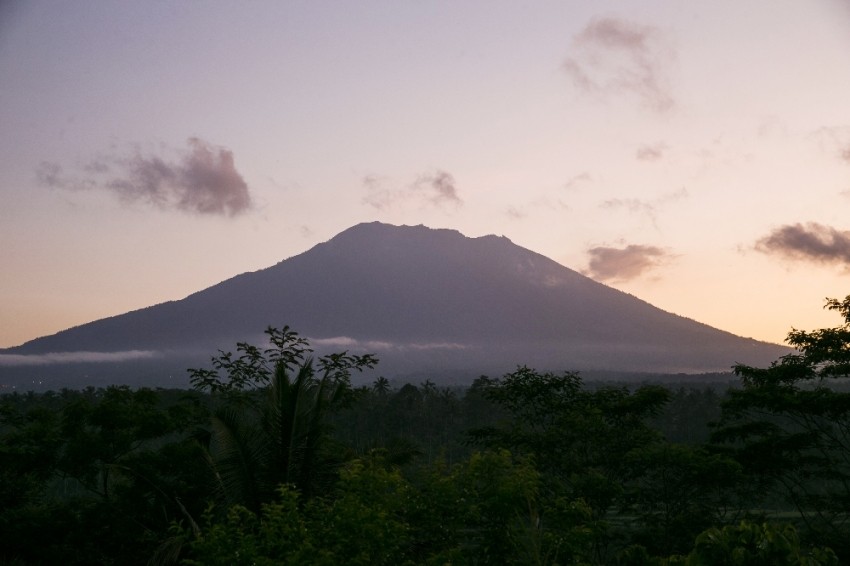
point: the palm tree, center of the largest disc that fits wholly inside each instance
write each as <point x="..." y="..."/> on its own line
<point x="271" y="427"/>
<point x="381" y="386"/>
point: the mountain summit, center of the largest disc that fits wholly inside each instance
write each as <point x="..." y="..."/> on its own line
<point x="424" y="300"/>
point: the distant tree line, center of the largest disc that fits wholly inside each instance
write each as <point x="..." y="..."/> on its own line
<point x="275" y="458"/>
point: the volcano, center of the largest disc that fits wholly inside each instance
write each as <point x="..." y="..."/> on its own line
<point x="421" y="299"/>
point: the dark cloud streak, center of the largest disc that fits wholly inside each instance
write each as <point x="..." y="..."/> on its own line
<point x="810" y="242"/>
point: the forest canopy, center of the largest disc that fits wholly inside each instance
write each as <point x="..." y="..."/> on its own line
<point x="274" y="457"/>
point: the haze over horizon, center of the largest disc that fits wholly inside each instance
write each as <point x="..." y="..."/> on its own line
<point x="695" y="156"/>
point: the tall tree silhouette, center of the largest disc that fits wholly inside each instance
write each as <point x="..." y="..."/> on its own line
<point x="790" y="427"/>
<point x="270" y="428"/>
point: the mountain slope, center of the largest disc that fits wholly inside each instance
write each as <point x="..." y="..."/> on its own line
<point x="425" y="298"/>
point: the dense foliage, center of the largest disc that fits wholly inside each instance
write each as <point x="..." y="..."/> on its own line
<point x="275" y="458"/>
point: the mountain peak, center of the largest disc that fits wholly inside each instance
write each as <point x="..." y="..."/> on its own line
<point x="371" y="232"/>
<point x="379" y="230"/>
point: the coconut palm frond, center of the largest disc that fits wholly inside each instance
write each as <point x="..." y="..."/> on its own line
<point x="237" y="454"/>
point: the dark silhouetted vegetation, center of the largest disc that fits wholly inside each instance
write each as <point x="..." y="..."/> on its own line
<point x="276" y="458"/>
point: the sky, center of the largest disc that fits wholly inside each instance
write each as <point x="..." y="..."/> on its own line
<point x="693" y="154"/>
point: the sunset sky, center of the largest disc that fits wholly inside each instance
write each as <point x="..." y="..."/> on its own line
<point x="693" y="154"/>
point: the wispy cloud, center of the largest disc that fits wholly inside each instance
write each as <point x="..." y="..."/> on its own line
<point x="631" y="205"/>
<point x="576" y="181"/>
<point x="436" y="188"/>
<point x="515" y="213"/>
<point x="648" y="207"/>
<point x="835" y="140"/>
<point x="73" y="357"/>
<point x="201" y="179"/>
<point x="51" y="175"/>
<point x="440" y="188"/>
<point x="771" y="126"/>
<point x="377" y="194"/>
<point x="652" y="152"/>
<point x="808" y="242"/>
<point x="611" y="56"/>
<point x="675" y="196"/>
<point x="624" y="264"/>
<point x="529" y="208"/>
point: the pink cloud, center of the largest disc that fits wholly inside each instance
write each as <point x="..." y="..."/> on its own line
<point x="624" y="264"/>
